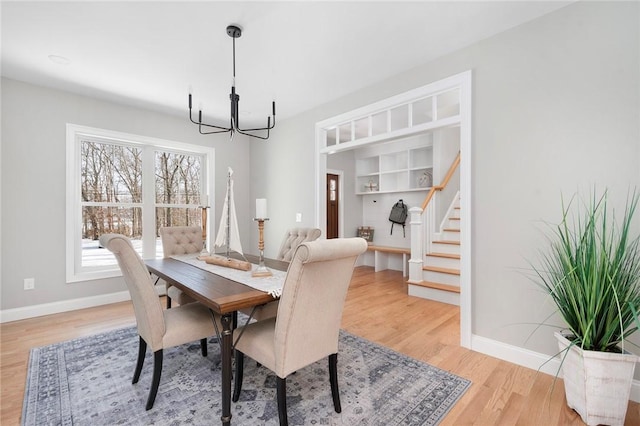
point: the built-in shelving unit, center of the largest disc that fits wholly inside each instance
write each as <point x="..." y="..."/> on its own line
<point x="400" y="171"/>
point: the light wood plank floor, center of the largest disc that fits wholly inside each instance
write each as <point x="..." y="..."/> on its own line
<point x="377" y="308"/>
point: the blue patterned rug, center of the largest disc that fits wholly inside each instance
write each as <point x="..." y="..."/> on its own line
<point x="87" y="381"/>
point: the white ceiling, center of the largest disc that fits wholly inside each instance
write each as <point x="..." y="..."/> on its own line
<point x="301" y="54"/>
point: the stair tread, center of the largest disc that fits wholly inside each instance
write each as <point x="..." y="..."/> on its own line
<point x="447" y="255"/>
<point x="454" y="218"/>
<point x="457" y="243"/>
<point x="450" y="271"/>
<point x="451" y="230"/>
<point x="438" y="286"/>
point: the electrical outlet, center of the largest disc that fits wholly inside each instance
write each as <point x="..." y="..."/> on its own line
<point x="298" y="217"/>
<point x="29" y="283"/>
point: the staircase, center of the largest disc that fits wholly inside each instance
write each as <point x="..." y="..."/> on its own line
<point x="441" y="267"/>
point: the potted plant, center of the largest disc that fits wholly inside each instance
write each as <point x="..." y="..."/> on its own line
<point x="591" y="271"/>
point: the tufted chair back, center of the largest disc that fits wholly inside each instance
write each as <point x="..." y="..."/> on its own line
<point x="293" y="238"/>
<point x="146" y="305"/>
<point x="181" y="240"/>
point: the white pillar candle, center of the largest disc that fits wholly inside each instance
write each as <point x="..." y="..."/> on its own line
<point x="205" y="200"/>
<point x="261" y="208"/>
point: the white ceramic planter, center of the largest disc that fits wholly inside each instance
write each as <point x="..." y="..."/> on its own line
<point x="597" y="384"/>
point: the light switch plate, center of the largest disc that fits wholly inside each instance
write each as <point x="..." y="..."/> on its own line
<point x="29" y="283"/>
<point x="298" y="217"/>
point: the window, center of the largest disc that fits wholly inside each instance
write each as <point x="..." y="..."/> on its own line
<point x="131" y="185"/>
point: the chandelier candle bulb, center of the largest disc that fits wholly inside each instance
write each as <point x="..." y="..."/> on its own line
<point x="261" y="208"/>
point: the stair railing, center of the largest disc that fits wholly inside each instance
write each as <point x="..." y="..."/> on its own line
<point x="445" y="181"/>
<point x="427" y="215"/>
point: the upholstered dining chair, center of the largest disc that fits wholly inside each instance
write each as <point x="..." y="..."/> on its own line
<point x="178" y="240"/>
<point x="291" y="240"/>
<point x="159" y="328"/>
<point x="307" y="325"/>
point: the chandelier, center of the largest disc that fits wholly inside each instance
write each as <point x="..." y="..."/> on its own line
<point x="234" y="125"/>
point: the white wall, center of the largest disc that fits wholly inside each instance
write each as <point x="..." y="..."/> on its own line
<point x="33" y="183"/>
<point x="556" y="103"/>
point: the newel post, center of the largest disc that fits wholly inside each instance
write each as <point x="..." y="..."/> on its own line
<point x="417" y="246"/>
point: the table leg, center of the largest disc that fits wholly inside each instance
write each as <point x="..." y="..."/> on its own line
<point x="227" y="343"/>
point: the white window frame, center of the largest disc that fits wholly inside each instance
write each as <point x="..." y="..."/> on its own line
<point x="149" y="145"/>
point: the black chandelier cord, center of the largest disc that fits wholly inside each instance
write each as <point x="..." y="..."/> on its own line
<point x="234" y="61"/>
<point x="234" y="32"/>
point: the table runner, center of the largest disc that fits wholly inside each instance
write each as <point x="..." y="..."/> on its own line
<point x="272" y="285"/>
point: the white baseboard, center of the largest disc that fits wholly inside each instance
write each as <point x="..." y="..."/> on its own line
<point x="529" y="359"/>
<point x="15" y="314"/>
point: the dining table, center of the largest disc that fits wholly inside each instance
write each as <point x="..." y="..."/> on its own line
<point x="224" y="297"/>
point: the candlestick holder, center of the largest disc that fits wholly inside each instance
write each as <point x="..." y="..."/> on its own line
<point x="204" y="251"/>
<point x="261" y="270"/>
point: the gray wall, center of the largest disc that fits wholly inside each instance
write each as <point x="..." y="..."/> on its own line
<point x="555" y="109"/>
<point x="33" y="183"/>
<point x="282" y="171"/>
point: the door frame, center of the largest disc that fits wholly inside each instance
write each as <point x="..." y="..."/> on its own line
<point x="462" y="81"/>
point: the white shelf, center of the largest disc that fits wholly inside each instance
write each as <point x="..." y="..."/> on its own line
<point x="393" y="192"/>
<point x="400" y="171"/>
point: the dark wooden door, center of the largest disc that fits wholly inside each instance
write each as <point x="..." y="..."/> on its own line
<point x="333" y="196"/>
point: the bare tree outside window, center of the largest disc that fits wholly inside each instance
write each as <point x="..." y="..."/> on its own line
<point x="112" y="191"/>
<point x="111" y="176"/>
<point x="178" y="178"/>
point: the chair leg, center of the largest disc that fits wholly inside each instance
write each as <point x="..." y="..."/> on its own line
<point x="333" y="379"/>
<point x="203" y="346"/>
<point x="168" y="302"/>
<point x="281" y="391"/>
<point x="237" y="387"/>
<point x="157" y="371"/>
<point x="142" y="349"/>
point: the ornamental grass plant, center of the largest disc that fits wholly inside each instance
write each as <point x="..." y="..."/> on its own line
<point x="591" y="271"/>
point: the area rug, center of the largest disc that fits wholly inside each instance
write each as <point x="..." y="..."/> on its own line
<point x="87" y="381"/>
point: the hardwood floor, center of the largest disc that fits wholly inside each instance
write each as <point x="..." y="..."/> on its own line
<point x="377" y="308"/>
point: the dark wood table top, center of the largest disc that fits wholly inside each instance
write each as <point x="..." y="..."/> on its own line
<point x="220" y="294"/>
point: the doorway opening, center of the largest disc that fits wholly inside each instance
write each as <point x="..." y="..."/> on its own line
<point x="444" y="104"/>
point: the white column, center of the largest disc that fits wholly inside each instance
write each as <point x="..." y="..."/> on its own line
<point x="417" y="246"/>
